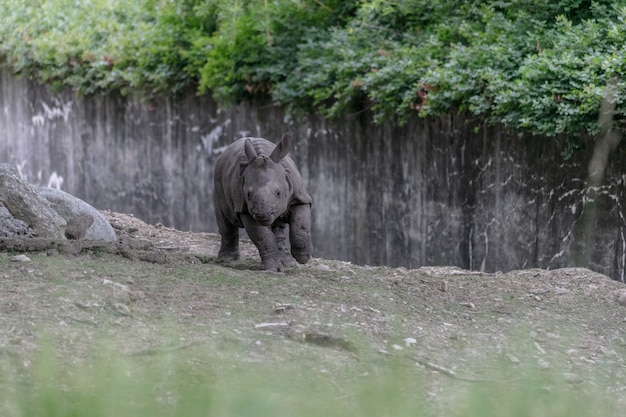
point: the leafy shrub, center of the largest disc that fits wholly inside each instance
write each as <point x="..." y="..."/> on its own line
<point x="540" y="66"/>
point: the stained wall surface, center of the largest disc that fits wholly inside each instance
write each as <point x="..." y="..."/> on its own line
<point x="436" y="191"/>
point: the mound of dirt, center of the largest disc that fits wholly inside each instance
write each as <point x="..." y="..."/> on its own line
<point x="160" y="244"/>
<point x="158" y="285"/>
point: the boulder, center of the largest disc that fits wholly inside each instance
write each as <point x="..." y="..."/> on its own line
<point x="27" y="213"/>
<point x="40" y="217"/>
<point x="83" y="221"/>
<point x="12" y="227"/>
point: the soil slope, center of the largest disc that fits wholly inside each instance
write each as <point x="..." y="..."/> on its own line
<point x="161" y="290"/>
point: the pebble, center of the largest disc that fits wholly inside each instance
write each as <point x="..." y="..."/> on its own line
<point x="621" y="300"/>
<point x="544" y="364"/>
<point x="121" y="309"/>
<point x="20" y="258"/>
<point x="265" y="325"/>
<point x="572" y="378"/>
<point x="512" y="358"/>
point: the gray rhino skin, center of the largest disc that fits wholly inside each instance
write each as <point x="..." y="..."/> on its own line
<point x="257" y="186"/>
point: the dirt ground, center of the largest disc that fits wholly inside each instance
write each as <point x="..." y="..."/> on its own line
<point x="161" y="290"/>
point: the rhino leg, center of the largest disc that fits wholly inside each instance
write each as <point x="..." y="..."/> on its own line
<point x="300" y="233"/>
<point x="282" y="241"/>
<point x="272" y="259"/>
<point x="229" y="248"/>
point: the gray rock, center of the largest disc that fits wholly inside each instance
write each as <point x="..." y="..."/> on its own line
<point x="36" y="217"/>
<point x="20" y="258"/>
<point x="25" y="206"/>
<point x="83" y="221"/>
<point x="12" y="227"/>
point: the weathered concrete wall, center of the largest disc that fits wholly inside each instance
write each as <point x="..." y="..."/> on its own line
<point x="444" y="191"/>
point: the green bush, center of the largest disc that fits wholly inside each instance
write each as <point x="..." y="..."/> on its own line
<point x="540" y="66"/>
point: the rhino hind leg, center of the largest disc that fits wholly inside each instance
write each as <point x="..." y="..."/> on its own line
<point x="300" y="233"/>
<point x="229" y="248"/>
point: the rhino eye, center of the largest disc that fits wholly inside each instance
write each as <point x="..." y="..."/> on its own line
<point x="278" y="194"/>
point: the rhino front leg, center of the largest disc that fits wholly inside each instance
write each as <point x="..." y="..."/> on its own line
<point x="300" y="233"/>
<point x="265" y="240"/>
<point x="282" y="241"/>
<point x="229" y="248"/>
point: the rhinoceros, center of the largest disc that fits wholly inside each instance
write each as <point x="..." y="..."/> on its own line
<point x="258" y="187"/>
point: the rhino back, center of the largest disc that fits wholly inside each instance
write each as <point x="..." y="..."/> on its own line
<point x="227" y="180"/>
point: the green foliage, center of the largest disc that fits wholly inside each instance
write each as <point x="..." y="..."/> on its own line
<point x="102" y="45"/>
<point x="254" y="47"/>
<point x="545" y="78"/>
<point x="540" y="66"/>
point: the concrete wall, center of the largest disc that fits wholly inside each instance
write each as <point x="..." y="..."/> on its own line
<point x="438" y="191"/>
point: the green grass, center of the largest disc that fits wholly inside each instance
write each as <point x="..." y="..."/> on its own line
<point x="190" y="347"/>
<point x="176" y="384"/>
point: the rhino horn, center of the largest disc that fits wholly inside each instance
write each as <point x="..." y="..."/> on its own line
<point x="282" y="149"/>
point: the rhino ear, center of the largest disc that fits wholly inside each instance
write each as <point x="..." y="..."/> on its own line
<point x="249" y="149"/>
<point x="298" y="190"/>
<point x="282" y="149"/>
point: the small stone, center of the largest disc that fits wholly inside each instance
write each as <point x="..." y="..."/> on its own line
<point x="121" y="309"/>
<point x="409" y="341"/>
<point x="572" y="378"/>
<point x="621" y="299"/>
<point x="544" y="364"/>
<point x="281" y="308"/>
<point x="539" y="348"/>
<point x="266" y="325"/>
<point x="118" y="292"/>
<point x="122" y="287"/>
<point x="20" y="258"/>
<point x="512" y="358"/>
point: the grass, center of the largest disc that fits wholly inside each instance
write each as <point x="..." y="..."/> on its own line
<point x="179" y="384"/>
<point x="189" y="345"/>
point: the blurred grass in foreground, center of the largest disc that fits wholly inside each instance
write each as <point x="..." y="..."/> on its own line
<point x="177" y="385"/>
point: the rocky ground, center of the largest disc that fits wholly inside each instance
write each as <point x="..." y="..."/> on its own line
<point x="160" y="290"/>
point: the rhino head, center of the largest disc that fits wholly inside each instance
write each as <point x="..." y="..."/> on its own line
<point x="267" y="190"/>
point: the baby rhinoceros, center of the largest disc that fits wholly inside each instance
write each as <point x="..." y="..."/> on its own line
<point x="257" y="186"/>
